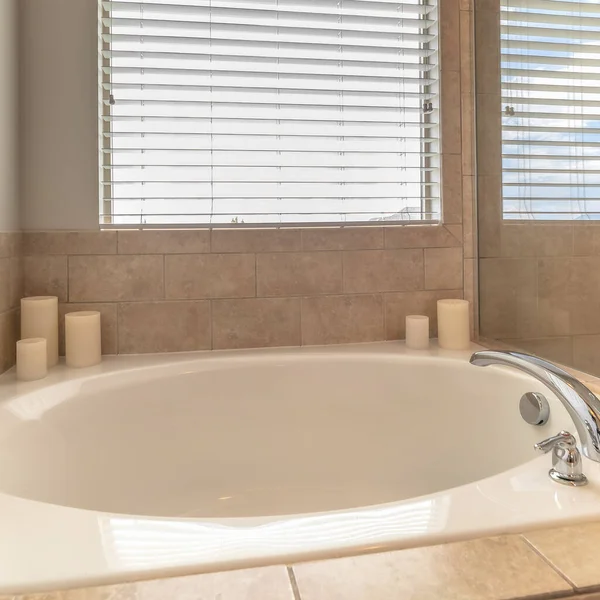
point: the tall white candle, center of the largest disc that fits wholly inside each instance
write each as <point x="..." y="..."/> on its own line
<point x="32" y="360"/>
<point x="453" y="324"/>
<point x="39" y="318"/>
<point x="82" y="338"/>
<point x="417" y="332"/>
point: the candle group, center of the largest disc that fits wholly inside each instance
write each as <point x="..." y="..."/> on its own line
<point x="37" y="351"/>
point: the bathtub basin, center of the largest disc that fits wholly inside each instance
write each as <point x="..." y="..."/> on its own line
<point x="153" y="465"/>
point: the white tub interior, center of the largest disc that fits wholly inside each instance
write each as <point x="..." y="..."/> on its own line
<point x="267" y="435"/>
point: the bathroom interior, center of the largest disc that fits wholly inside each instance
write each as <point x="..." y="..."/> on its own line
<point x="253" y="257"/>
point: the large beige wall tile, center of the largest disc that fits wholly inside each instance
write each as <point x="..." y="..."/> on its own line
<point x="469" y="223"/>
<point x="9" y="334"/>
<point x="197" y="276"/>
<point x="586" y="354"/>
<point x="555" y="296"/>
<point x="568" y="293"/>
<point x="471" y="293"/>
<point x="499" y="568"/>
<point x="443" y="268"/>
<point x="489" y="215"/>
<point x="295" y="274"/>
<point x="174" y="241"/>
<point x="467" y="59"/>
<point x="6" y="244"/>
<point x="342" y="319"/>
<point x="452" y="207"/>
<point x="342" y="238"/>
<point x="46" y="276"/>
<point x="255" y="240"/>
<point x="508" y="297"/>
<point x="69" y="242"/>
<point x="450" y="114"/>
<point x="586" y="240"/>
<point x="269" y="583"/>
<point x="558" y="349"/>
<point x="420" y="236"/>
<point x="537" y="239"/>
<point x="164" y="326"/>
<point x="15" y="280"/>
<point x="571" y="551"/>
<point x="493" y="5"/>
<point x="487" y="51"/>
<point x="5" y="295"/>
<point x="467" y="105"/>
<point x="108" y="324"/>
<point x="383" y="271"/>
<point x="449" y="11"/>
<point x="489" y="134"/>
<point x="256" y="323"/>
<point x="115" y="278"/>
<point x="398" y="306"/>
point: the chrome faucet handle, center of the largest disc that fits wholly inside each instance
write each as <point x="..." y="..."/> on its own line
<point x="563" y="437"/>
<point x="566" y="459"/>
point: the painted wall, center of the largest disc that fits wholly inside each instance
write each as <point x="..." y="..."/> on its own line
<point x="10" y="262"/>
<point x="9" y="210"/>
<point x="58" y="92"/>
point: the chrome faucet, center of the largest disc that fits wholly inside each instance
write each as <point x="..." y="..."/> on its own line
<point x="581" y="404"/>
<point x="566" y="459"/>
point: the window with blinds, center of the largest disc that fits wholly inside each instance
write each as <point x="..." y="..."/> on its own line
<point x="551" y="109"/>
<point x="268" y="111"/>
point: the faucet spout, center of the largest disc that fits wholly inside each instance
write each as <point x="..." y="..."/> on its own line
<point x="581" y="404"/>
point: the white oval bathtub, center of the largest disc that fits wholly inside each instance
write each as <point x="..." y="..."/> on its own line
<point x="186" y="463"/>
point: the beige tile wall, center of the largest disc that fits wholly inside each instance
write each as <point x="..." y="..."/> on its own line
<point x="11" y="288"/>
<point x="540" y="282"/>
<point x="167" y="291"/>
<point x="162" y="291"/>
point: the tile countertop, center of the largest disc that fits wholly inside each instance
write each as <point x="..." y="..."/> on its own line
<point x="538" y="565"/>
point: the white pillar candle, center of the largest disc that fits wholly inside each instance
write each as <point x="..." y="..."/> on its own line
<point x="417" y="332"/>
<point x="32" y="359"/>
<point x="453" y="324"/>
<point x="39" y="318"/>
<point x="82" y="338"/>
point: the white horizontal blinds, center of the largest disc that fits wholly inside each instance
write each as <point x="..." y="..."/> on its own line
<point x="269" y="111"/>
<point x="551" y="109"/>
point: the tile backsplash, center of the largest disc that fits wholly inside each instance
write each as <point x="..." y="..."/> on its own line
<point x="11" y="287"/>
<point x="180" y="290"/>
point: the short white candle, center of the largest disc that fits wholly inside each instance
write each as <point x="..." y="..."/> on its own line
<point x="32" y="359"/>
<point x="39" y="319"/>
<point x="82" y="339"/>
<point x="453" y="324"/>
<point x="417" y="332"/>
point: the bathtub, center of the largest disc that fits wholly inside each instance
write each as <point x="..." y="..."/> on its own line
<point x="158" y="465"/>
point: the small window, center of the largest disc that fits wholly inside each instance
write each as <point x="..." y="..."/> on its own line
<point x="220" y="112"/>
<point x="551" y="109"/>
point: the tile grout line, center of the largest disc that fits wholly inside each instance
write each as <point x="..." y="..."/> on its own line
<point x="549" y="563"/>
<point x="293" y="583"/>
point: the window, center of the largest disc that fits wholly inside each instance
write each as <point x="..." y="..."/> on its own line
<point x="551" y="109"/>
<point x="268" y="111"/>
